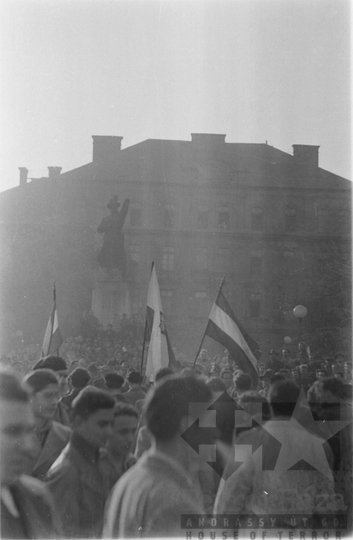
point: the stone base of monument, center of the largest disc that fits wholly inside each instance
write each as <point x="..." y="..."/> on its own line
<point x="110" y="299"/>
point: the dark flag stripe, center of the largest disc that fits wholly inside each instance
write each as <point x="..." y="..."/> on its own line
<point x="216" y="333"/>
<point x="222" y="302"/>
<point x="149" y="322"/>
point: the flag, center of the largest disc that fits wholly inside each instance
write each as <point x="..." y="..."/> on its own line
<point x="52" y="338"/>
<point x="160" y="352"/>
<point x="224" y="328"/>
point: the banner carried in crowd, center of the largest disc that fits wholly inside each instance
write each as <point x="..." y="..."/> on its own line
<point x="52" y="338"/>
<point x="224" y="328"/>
<point x="160" y="352"/>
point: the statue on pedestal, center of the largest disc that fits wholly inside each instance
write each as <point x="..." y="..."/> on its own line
<point x="112" y="255"/>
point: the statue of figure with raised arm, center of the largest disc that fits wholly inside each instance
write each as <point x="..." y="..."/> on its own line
<point x="112" y="254"/>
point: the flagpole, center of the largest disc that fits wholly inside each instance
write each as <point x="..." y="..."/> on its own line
<point x="145" y="332"/>
<point x="203" y="337"/>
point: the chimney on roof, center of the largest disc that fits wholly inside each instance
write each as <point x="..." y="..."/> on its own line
<point x="54" y="172"/>
<point x="306" y="157"/>
<point x="207" y="139"/>
<point x="105" y="147"/>
<point x="23" y="176"/>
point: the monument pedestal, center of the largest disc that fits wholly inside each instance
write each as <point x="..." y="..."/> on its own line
<point x="110" y="299"/>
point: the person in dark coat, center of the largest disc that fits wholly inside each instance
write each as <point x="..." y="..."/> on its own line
<point x="78" y="485"/>
<point x="135" y="391"/>
<point x="51" y="436"/>
<point x="27" y="509"/>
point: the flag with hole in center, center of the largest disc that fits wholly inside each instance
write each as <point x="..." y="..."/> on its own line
<point x="160" y="353"/>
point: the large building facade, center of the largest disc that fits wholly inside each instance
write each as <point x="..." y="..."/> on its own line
<point x="277" y="226"/>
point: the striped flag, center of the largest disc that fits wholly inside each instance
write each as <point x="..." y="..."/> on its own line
<point x="160" y="352"/>
<point x="224" y="328"/>
<point x="52" y="338"/>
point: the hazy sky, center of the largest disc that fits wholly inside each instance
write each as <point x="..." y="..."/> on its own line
<point x="255" y="70"/>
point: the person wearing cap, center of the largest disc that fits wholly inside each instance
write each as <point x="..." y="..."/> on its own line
<point x="78" y="379"/>
<point x="58" y="365"/>
<point x="27" y="508"/>
<point x="51" y="436"/>
<point x="114" y="384"/>
<point x="75" y="479"/>
<point x="135" y="391"/>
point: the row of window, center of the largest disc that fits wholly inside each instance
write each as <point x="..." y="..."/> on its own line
<point x="221" y="260"/>
<point x="203" y="218"/>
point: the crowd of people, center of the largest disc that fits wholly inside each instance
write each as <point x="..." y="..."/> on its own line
<point x="91" y="449"/>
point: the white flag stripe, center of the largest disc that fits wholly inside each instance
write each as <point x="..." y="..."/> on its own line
<point x="158" y="350"/>
<point x="55" y="322"/>
<point x="228" y="326"/>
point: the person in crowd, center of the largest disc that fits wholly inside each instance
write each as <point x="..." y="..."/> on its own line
<point x="255" y="407"/>
<point x="255" y="486"/>
<point x="144" y="437"/>
<point x="76" y="481"/>
<point x="305" y="379"/>
<point x="242" y="383"/>
<point x="135" y="391"/>
<point x="274" y="362"/>
<point x="114" y="384"/>
<point x="287" y="360"/>
<point x="302" y="355"/>
<point x="348" y="372"/>
<point x="261" y="368"/>
<point x="57" y="364"/>
<point x="117" y="456"/>
<point x="265" y="382"/>
<point x="27" y="509"/>
<point x="78" y="379"/>
<point x="150" y="498"/>
<point x="313" y="364"/>
<point x="51" y="436"/>
<point x="226" y="377"/>
<point x="339" y="360"/>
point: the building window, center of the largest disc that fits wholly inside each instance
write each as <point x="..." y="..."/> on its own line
<point x="255" y="305"/>
<point x="201" y="258"/>
<point x="135" y="216"/>
<point x="168" y="258"/>
<point x="256" y="219"/>
<point x="167" y="301"/>
<point x="223" y="218"/>
<point x="290" y="217"/>
<point x="201" y="306"/>
<point x="135" y="252"/>
<point x="169" y="217"/>
<point x="255" y="266"/>
<point x="202" y="217"/>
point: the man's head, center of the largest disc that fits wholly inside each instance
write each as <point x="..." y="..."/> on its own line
<point x="46" y="393"/>
<point x="339" y="358"/>
<point x="304" y="370"/>
<point x="16" y="427"/>
<point x="124" y="429"/>
<point x="335" y="368"/>
<point x="167" y="406"/>
<point x="79" y="378"/>
<point x="348" y="370"/>
<point x="92" y="412"/>
<point x="283" y="397"/>
<point x="285" y="354"/>
<point x="321" y="374"/>
<point x="163" y="372"/>
<point x="330" y="390"/>
<point x="242" y="382"/>
<point x="135" y="378"/>
<point x="227" y="377"/>
<point x="203" y="354"/>
<point x="57" y="364"/>
<point x="273" y="354"/>
<point x="113" y="382"/>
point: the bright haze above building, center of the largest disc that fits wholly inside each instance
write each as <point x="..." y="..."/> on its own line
<point x="257" y="70"/>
